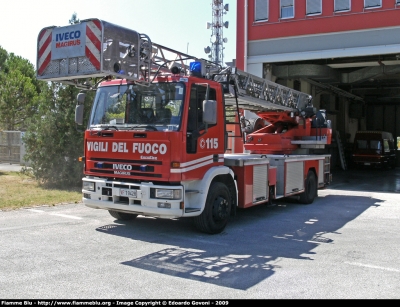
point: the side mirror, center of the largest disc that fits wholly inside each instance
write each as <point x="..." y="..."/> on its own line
<point x="79" y="114"/>
<point x="79" y="108"/>
<point x="81" y="98"/>
<point x="210" y="112"/>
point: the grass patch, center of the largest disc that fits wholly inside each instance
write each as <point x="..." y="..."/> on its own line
<point x="19" y="190"/>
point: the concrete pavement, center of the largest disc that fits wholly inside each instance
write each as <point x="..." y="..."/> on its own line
<point x="9" y="167"/>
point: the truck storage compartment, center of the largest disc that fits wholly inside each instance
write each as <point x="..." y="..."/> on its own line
<point x="252" y="178"/>
<point x="291" y="172"/>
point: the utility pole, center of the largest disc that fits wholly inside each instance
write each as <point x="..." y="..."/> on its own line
<point x="217" y="38"/>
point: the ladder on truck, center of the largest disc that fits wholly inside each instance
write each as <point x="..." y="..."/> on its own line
<point x="242" y="90"/>
<point x="126" y="54"/>
<point x="122" y="53"/>
<point x="258" y="94"/>
<point x="253" y="93"/>
<point x="245" y="91"/>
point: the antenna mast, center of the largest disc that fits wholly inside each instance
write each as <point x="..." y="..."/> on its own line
<point x="217" y="38"/>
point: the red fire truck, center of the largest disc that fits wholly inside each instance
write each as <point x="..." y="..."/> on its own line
<point x="173" y="136"/>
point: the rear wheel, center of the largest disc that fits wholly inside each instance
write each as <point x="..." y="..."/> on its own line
<point x="122" y="216"/>
<point x="310" y="189"/>
<point x="217" y="210"/>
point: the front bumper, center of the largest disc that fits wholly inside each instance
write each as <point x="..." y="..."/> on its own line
<point x="132" y="198"/>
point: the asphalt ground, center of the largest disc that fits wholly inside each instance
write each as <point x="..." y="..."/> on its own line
<point x="342" y="246"/>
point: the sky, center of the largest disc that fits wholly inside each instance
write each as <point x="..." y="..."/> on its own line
<point x="176" y="24"/>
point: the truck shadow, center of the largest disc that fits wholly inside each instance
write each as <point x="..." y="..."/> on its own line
<point x="252" y="246"/>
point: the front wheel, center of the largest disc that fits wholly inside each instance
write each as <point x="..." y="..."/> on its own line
<point x="217" y="209"/>
<point x="310" y="189"/>
<point x="122" y="216"/>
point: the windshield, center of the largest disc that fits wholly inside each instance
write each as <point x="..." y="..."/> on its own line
<point x="137" y="107"/>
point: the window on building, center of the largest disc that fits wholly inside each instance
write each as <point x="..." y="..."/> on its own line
<point x="342" y="5"/>
<point x="397" y="2"/>
<point x="314" y="7"/>
<point x="287" y="9"/>
<point x="372" y="3"/>
<point x="261" y="10"/>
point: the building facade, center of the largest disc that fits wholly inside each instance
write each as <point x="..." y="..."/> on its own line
<point x="346" y="53"/>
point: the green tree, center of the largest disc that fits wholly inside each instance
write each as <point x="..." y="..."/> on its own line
<point x="53" y="144"/>
<point x="3" y="57"/>
<point x="18" y="91"/>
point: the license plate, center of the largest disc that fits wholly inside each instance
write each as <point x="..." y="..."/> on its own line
<point x="367" y="163"/>
<point x="127" y="193"/>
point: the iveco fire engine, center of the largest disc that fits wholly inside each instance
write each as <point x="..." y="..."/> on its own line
<point x="173" y="136"/>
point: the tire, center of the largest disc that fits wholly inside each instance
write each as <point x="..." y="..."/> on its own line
<point x="122" y="216"/>
<point x="217" y="210"/>
<point x="310" y="189"/>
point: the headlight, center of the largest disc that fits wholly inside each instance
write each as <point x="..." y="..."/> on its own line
<point x="88" y="186"/>
<point x="168" y="194"/>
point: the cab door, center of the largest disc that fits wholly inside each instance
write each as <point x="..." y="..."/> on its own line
<point x="203" y="144"/>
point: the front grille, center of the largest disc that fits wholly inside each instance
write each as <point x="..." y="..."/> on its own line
<point x="123" y="200"/>
<point x="93" y="170"/>
<point x="125" y="186"/>
<point x="138" y="168"/>
<point x="106" y="191"/>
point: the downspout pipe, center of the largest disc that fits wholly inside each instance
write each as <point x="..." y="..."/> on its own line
<point x="245" y="35"/>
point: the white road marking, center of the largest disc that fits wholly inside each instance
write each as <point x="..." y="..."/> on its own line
<point x="35" y="210"/>
<point x="373" y="266"/>
<point x="56" y="214"/>
<point x="67" y="216"/>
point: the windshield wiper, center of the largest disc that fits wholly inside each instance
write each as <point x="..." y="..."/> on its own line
<point x="132" y="127"/>
<point x="111" y="127"/>
<point x="106" y="127"/>
<point x="143" y="127"/>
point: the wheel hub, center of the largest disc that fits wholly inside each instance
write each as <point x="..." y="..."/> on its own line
<point x="220" y="209"/>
